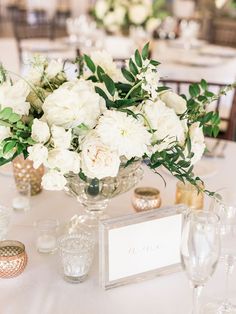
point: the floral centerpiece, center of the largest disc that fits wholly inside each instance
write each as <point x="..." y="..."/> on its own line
<point x="104" y="120"/>
<point x="118" y="15"/>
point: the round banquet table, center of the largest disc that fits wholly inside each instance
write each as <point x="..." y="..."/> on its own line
<point x="42" y="290"/>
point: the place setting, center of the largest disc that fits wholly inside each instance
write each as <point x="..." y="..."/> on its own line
<point x="117" y="157"/>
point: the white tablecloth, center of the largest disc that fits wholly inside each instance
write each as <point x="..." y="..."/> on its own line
<point x="41" y="289"/>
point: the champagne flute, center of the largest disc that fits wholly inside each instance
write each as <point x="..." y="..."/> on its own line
<point x="200" y="250"/>
<point x="224" y="205"/>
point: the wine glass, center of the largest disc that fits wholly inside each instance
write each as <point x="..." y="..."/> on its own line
<point x="200" y="250"/>
<point x="224" y="205"/>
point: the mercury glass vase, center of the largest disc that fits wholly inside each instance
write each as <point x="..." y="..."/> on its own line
<point x="95" y="194"/>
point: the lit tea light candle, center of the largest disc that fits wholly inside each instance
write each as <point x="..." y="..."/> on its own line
<point x="47" y="235"/>
<point x="188" y="195"/>
<point x="146" y="198"/>
<point x="46" y="243"/>
<point x="21" y="203"/>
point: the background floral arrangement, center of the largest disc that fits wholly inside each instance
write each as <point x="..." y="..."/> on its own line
<point x="104" y="118"/>
<point x="118" y="15"/>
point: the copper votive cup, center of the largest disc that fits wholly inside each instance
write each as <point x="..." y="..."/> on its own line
<point x="189" y="195"/>
<point x="146" y="198"/>
<point x="13" y="258"/>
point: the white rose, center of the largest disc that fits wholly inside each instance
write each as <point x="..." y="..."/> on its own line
<point x="152" y="24"/>
<point x="197" y="142"/>
<point x="101" y="8"/>
<point x="174" y="101"/>
<point x="60" y="137"/>
<point x="14" y="96"/>
<point x="123" y="133"/>
<point x="97" y="159"/>
<point x="138" y="13"/>
<point x="38" y="154"/>
<point x="72" y="104"/>
<point x="53" y="181"/>
<point x="110" y="22"/>
<point x="63" y="160"/>
<point x="167" y="124"/>
<point x="40" y="131"/>
<point x="4" y="132"/>
<point x="54" y="67"/>
<point x="120" y="14"/>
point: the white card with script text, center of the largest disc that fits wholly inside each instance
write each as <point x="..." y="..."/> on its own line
<point x="145" y="246"/>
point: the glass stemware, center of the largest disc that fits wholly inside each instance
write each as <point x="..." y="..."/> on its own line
<point x="224" y="205"/>
<point x="200" y="250"/>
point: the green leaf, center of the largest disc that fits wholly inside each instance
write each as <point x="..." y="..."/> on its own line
<point x="110" y="104"/>
<point x="5" y="113"/>
<point x="145" y="51"/>
<point x="3" y="123"/>
<point x="14" y="118"/>
<point x="155" y="63"/>
<point x="109" y="84"/>
<point x="90" y="63"/>
<point x="194" y="90"/>
<point x="133" y="68"/>
<point x="129" y="77"/>
<point x="9" y="146"/>
<point x="100" y="73"/>
<point x="101" y="92"/>
<point x="203" y="84"/>
<point x="138" y="58"/>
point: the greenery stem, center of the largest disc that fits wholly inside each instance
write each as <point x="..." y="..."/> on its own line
<point x="133" y="88"/>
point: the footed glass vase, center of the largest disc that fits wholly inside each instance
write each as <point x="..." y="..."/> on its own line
<point x="95" y="194"/>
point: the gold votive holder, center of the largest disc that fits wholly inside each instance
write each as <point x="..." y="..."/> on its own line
<point x="13" y="258"/>
<point x="24" y="171"/>
<point x="146" y="198"/>
<point x="189" y="195"/>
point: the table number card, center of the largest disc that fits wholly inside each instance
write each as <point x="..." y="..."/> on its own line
<point x="140" y="246"/>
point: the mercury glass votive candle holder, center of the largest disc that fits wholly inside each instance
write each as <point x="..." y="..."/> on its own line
<point x="23" y="170"/>
<point x="13" y="258"/>
<point x="188" y="195"/>
<point x="77" y="253"/>
<point x="146" y="198"/>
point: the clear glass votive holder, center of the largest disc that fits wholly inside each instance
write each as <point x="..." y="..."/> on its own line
<point x="47" y="235"/>
<point x="188" y="195"/>
<point x="5" y="217"/>
<point x="76" y="253"/>
<point x="146" y="198"/>
<point x="21" y="196"/>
